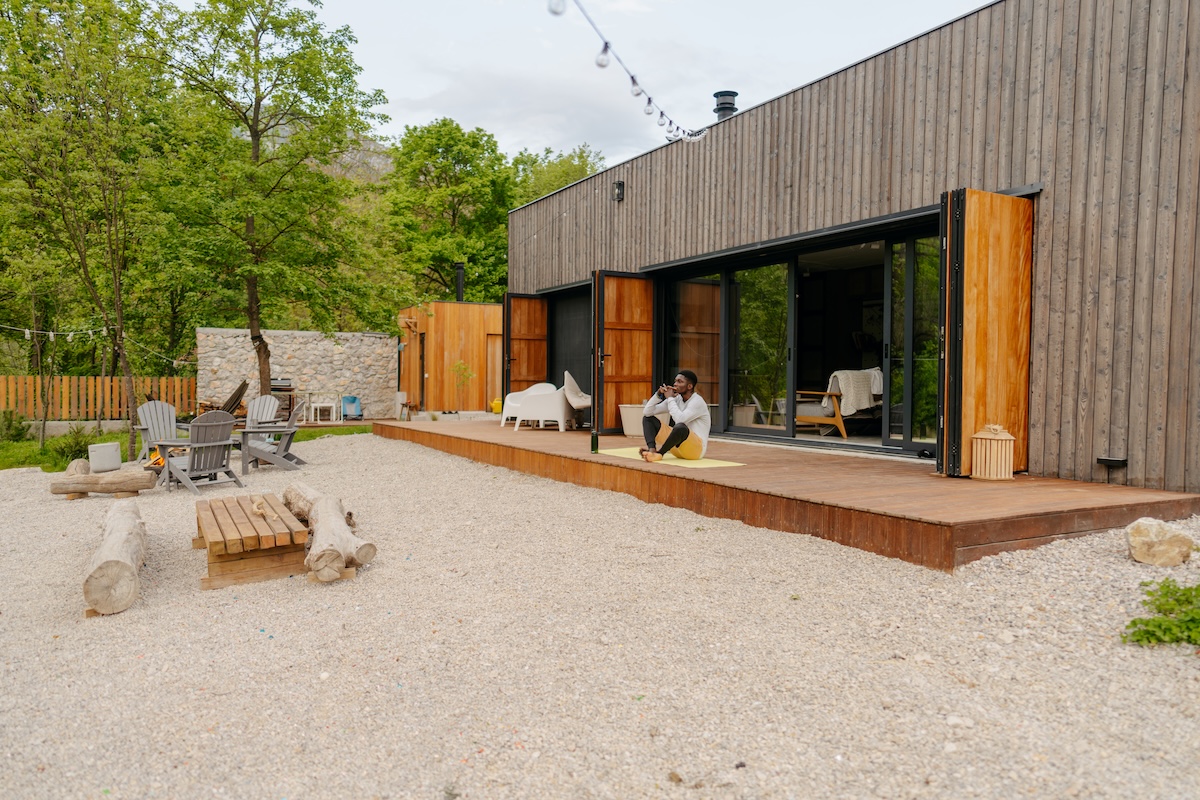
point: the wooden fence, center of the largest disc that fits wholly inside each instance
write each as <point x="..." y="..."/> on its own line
<point x="86" y="397"/>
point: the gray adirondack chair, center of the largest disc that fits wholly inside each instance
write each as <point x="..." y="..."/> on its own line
<point x="156" y="422"/>
<point x="206" y="455"/>
<point x="261" y="409"/>
<point x="272" y="443"/>
<point x="260" y="413"/>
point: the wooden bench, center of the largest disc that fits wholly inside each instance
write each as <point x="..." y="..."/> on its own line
<point x="248" y="538"/>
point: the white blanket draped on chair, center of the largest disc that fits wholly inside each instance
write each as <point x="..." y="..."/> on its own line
<point x="859" y="388"/>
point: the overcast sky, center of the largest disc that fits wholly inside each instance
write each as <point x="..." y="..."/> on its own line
<point x="529" y="78"/>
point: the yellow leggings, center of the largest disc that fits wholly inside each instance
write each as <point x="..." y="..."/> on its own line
<point x="690" y="448"/>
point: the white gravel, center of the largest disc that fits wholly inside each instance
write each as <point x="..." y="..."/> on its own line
<point x="518" y="637"/>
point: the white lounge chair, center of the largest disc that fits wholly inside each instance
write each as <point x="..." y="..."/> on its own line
<point x="579" y="401"/>
<point x="545" y="407"/>
<point x="512" y="400"/>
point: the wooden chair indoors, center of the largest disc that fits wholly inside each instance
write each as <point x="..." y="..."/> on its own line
<point x="851" y="394"/>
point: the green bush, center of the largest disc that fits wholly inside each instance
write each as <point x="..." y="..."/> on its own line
<point x="1177" y="619"/>
<point x="74" y="444"/>
<point x="12" y="427"/>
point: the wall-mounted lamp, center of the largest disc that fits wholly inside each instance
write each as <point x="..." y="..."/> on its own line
<point x="618" y="191"/>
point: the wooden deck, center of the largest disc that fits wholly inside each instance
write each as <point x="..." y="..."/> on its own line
<point x="893" y="507"/>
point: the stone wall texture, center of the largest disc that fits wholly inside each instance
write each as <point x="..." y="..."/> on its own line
<point x="360" y="364"/>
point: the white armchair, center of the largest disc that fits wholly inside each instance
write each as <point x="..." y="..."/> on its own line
<point x="512" y="400"/>
<point x="545" y="407"/>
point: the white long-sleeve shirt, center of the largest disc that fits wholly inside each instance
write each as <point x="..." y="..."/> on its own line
<point x="693" y="413"/>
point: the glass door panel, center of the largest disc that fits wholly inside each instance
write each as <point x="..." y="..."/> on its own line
<point x="911" y="355"/>
<point x="758" y="364"/>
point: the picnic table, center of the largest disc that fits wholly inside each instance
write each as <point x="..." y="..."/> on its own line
<point x="248" y="538"/>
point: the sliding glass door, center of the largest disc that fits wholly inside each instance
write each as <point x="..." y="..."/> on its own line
<point x="760" y="379"/>
<point x="911" y="345"/>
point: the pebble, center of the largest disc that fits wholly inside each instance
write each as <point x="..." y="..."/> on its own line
<point x="517" y="637"/>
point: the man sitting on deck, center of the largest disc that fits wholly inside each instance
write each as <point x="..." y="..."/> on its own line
<point x="687" y="434"/>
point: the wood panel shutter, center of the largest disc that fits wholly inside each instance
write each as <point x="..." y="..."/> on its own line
<point x="987" y="261"/>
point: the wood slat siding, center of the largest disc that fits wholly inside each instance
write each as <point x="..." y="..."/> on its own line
<point x="453" y="332"/>
<point x="79" y="397"/>
<point x="1094" y="99"/>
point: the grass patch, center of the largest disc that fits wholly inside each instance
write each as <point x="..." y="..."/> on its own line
<point x="308" y="434"/>
<point x="28" y="454"/>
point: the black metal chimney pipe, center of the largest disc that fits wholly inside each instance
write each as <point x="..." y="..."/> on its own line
<point x="725" y="107"/>
<point x="459" y="268"/>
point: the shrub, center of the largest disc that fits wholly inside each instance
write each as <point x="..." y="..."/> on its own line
<point x="12" y="427"/>
<point x="72" y="445"/>
<point x="1177" y="619"/>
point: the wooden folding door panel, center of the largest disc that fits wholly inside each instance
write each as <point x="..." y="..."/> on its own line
<point x="524" y="341"/>
<point x="624" y="364"/>
<point x="986" y="281"/>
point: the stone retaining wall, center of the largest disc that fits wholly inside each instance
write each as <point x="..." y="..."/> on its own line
<point x="360" y="364"/>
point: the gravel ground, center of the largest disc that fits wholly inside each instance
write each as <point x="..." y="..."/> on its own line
<point x="518" y="637"/>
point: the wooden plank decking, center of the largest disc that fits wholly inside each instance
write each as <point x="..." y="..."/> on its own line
<point x="892" y="507"/>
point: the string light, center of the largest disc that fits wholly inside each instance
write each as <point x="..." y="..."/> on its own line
<point x="607" y="53"/>
<point x="30" y="332"/>
<point x="175" y="361"/>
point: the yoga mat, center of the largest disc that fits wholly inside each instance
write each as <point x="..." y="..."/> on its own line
<point x="703" y="463"/>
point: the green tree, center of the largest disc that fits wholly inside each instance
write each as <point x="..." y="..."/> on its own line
<point x="78" y="101"/>
<point x="539" y="174"/>
<point x="449" y="196"/>
<point x="275" y="102"/>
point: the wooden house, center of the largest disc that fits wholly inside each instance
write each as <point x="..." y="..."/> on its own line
<point x="452" y="356"/>
<point x="1000" y="214"/>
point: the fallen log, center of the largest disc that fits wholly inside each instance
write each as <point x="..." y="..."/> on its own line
<point x="78" y="481"/>
<point x="112" y="582"/>
<point x="333" y="546"/>
<point x="299" y="499"/>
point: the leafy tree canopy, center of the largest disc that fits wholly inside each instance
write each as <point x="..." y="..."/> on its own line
<point x="449" y="196"/>
<point x="539" y="174"/>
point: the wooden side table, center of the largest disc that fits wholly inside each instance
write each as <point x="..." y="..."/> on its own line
<point x="248" y="538"/>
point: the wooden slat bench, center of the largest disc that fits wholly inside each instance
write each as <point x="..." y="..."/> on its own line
<point x="248" y="538"/>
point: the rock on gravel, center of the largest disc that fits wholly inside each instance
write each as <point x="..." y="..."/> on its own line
<point x="517" y="637"/>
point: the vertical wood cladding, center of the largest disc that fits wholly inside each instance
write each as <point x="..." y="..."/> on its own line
<point x="1090" y="98"/>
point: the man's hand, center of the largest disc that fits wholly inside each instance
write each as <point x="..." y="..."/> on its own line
<point x="666" y="391"/>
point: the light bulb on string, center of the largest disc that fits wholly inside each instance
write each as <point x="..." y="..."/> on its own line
<point x="649" y="109"/>
<point x="662" y="118"/>
<point x="27" y="336"/>
<point x="634" y="89"/>
<point x="70" y="337"/>
<point x="52" y="336"/>
<point x="557" y="7"/>
<point x="603" y="60"/>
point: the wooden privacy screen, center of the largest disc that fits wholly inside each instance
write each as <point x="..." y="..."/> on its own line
<point x="85" y="397"/>
<point x="525" y="340"/>
<point x="625" y="338"/>
<point x="987" y="293"/>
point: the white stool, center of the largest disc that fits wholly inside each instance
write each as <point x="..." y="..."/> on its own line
<point x="327" y="401"/>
